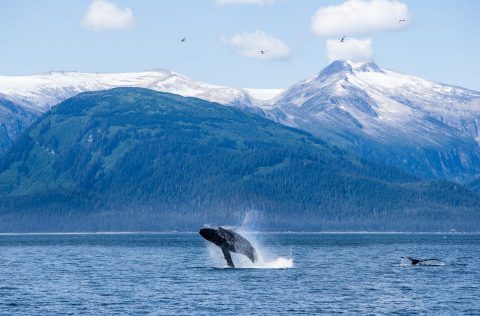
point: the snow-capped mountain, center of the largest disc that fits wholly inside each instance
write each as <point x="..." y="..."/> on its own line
<point x="24" y="98"/>
<point x="40" y="92"/>
<point x="427" y="128"/>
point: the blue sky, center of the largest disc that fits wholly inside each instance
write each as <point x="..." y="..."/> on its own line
<point x="440" y="40"/>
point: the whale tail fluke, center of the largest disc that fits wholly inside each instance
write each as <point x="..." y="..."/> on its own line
<point x="414" y="261"/>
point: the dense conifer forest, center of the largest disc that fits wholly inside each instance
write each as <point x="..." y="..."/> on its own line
<point x="135" y="159"/>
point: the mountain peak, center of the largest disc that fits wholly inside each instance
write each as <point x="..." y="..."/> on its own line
<point x="348" y="66"/>
<point x="365" y="67"/>
<point x="338" y="66"/>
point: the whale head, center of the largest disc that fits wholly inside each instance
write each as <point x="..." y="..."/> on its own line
<point x="208" y="233"/>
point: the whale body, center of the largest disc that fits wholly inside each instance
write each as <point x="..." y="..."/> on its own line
<point x="229" y="241"/>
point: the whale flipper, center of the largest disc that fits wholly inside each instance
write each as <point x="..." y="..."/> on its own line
<point x="228" y="257"/>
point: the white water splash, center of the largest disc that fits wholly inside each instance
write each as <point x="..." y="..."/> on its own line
<point x="279" y="263"/>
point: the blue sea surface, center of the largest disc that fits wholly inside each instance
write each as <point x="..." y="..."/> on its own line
<point x="180" y="274"/>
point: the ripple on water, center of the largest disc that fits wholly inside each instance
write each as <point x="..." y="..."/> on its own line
<point x="299" y="274"/>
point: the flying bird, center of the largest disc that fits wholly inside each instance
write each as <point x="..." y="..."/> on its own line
<point x="402" y="20"/>
<point x="263" y="52"/>
<point x="183" y="40"/>
<point x="343" y="38"/>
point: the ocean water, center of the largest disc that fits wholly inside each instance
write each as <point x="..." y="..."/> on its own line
<point x="180" y="274"/>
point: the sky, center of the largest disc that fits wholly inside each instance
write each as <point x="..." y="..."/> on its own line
<point x="439" y="40"/>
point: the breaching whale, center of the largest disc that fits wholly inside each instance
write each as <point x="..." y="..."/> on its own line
<point x="229" y="241"/>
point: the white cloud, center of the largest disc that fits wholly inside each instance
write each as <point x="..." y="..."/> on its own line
<point x="355" y="17"/>
<point x="103" y="15"/>
<point x="350" y="49"/>
<point x="257" y="2"/>
<point x="250" y="44"/>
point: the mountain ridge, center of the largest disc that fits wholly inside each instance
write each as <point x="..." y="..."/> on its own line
<point x="423" y="127"/>
<point x="36" y="94"/>
<point x="96" y="162"/>
<point x="369" y="110"/>
<point x="41" y="92"/>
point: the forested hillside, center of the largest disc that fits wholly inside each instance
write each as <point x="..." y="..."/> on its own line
<point x="136" y="159"/>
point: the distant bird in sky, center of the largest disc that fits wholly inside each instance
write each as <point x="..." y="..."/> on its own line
<point x="401" y="20"/>
<point x="183" y="40"/>
<point x="343" y="38"/>
<point x="263" y="52"/>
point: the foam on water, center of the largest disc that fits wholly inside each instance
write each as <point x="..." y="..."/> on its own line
<point x="279" y="263"/>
